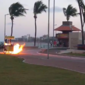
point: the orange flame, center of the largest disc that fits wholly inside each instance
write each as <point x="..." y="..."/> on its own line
<point x="17" y="48"/>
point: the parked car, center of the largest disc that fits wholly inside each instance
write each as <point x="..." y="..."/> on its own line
<point x="80" y="47"/>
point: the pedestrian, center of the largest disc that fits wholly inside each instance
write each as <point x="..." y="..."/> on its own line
<point x="55" y="43"/>
<point x="51" y="43"/>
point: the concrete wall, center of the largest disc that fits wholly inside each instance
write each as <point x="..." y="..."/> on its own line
<point x="80" y="42"/>
<point x="73" y="39"/>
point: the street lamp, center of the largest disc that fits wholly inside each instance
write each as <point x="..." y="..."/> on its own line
<point x="5" y="25"/>
<point x="48" y="26"/>
<point x="53" y="17"/>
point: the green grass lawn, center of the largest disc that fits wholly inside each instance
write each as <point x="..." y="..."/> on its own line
<point x="14" y="72"/>
<point x="75" y="54"/>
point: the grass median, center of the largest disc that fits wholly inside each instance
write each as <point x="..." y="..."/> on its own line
<point x="14" y="72"/>
<point x="75" y="54"/>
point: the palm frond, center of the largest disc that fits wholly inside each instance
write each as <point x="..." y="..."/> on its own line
<point x="64" y="11"/>
<point x="16" y="9"/>
<point x="74" y="12"/>
<point x="84" y="8"/>
<point x="80" y="3"/>
<point x="71" y="11"/>
<point x="42" y="8"/>
<point x="36" y="6"/>
<point x="39" y="7"/>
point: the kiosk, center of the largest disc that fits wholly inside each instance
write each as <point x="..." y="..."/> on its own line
<point x="65" y="28"/>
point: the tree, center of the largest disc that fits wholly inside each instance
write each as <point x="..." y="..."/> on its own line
<point x="69" y="11"/>
<point x="39" y="7"/>
<point x="16" y="10"/>
<point x="81" y="9"/>
<point x="83" y="15"/>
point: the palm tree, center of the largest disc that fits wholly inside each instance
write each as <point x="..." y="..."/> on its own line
<point x="39" y="7"/>
<point x="83" y="11"/>
<point x="69" y="11"/>
<point x="84" y="15"/>
<point x="16" y="10"/>
<point x="81" y="7"/>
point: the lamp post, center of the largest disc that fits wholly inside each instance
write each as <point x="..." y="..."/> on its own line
<point x="53" y="17"/>
<point x="48" y="26"/>
<point x="5" y="25"/>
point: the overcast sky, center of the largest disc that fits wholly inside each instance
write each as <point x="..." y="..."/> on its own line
<point x="25" y="25"/>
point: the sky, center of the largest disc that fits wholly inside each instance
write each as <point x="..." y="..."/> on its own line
<point x="25" y="25"/>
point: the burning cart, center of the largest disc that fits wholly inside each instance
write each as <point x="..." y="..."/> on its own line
<point x="11" y="48"/>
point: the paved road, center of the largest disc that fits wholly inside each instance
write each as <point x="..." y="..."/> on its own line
<point x="71" y="63"/>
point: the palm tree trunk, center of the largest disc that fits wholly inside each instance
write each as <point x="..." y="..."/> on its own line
<point x="83" y="18"/>
<point x="67" y="18"/>
<point x="81" y="25"/>
<point x="12" y="28"/>
<point x="35" y="30"/>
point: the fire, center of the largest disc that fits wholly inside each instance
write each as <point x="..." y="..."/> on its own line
<point x="17" y="48"/>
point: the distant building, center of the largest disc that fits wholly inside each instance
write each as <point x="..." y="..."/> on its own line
<point x="25" y="38"/>
<point x="44" y="37"/>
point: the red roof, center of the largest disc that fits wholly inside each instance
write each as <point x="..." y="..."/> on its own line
<point x="67" y="28"/>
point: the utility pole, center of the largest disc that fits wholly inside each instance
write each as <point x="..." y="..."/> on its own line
<point x="48" y="27"/>
<point x="5" y="25"/>
<point x="53" y="17"/>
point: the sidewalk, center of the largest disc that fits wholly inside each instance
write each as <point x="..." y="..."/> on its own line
<point x="56" y="52"/>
